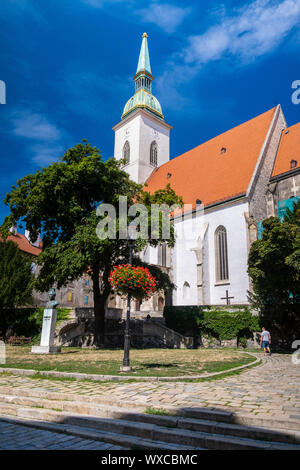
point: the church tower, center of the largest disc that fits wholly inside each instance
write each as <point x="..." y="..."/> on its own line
<point x="142" y="137"/>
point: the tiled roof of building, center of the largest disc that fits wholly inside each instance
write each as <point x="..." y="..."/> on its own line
<point x="288" y="155"/>
<point x="24" y="244"/>
<point x="219" y="169"/>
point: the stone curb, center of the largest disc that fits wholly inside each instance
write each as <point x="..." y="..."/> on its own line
<point x="117" y="378"/>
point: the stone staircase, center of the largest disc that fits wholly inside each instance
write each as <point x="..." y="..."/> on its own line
<point x="128" y="426"/>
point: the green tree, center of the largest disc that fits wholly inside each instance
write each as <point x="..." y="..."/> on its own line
<point x="274" y="268"/>
<point x="61" y="201"/>
<point x="16" y="282"/>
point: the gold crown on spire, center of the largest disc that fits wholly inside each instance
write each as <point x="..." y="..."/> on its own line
<point x="145" y="35"/>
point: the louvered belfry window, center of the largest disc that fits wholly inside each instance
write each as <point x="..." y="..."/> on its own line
<point x="126" y="151"/>
<point x="153" y="154"/>
<point x="221" y="254"/>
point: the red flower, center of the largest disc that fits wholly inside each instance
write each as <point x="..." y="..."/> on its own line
<point x="135" y="280"/>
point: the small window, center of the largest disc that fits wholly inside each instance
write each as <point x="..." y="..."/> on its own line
<point x="162" y="254"/>
<point x="223" y="150"/>
<point x="221" y="254"/>
<point x="186" y="290"/>
<point x="87" y="282"/>
<point x="70" y="296"/>
<point x="126" y="151"/>
<point x="169" y="175"/>
<point x="153" y="154"/>
<point x="293" y="163"/>
<point x="198" y="202"/>
<point x="86" y="300"/>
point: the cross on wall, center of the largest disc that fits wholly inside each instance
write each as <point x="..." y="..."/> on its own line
<point x="227" y="298"/>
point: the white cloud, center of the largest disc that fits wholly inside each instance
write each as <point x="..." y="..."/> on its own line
<point x="33" y="126"/>
<point x="21" y="8"/>
<point x="239" y="36"/>
<point x="90" y="94"/>
<point x="45" y="138"/>
<point x="164" y="15"/>
<point x="251" y="32"/>
<point x="44" y="154"/>
<point x="102" y="3"/>
<point x="168" y="85"/>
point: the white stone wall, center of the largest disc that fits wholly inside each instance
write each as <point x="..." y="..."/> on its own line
<point x="152" y="129"/>
<point x="129" y="130"/>
<point x="184" y="262"/>
<point x="151" y="255"/>
<point x="141" y="129"/>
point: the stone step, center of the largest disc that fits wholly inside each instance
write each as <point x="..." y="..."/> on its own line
<point x="123" y="441"/>
<point x="157" y="434"/>
<point x="192" y="424"/>
<point x="87" y="403"/>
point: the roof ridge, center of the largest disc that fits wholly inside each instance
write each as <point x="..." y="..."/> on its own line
<point x="289" y="141"/>
<point x="218" y="168"/>
<point x="291" y="127"/>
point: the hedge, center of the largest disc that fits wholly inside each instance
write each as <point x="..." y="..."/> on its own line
<point x="216" y="322"/>
<point x="28" y="321"/>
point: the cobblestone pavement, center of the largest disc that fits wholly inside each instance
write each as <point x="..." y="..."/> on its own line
<point x="18" y="437"/>
<point x="270" y="390"/>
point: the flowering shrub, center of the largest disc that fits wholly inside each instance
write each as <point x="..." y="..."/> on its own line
<point x="132" y="280"/>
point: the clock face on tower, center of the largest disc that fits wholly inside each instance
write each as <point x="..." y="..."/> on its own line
<point x="155" y="133"/>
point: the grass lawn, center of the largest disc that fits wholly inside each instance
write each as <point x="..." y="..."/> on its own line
<point x="146" y="362"/>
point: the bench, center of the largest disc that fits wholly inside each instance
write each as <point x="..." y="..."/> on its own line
<point x="17" y="340"/>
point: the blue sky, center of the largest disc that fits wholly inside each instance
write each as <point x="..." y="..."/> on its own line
<point x="68" y="68"/>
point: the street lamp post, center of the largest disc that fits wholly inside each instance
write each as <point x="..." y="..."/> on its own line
<point x="126" y="361"/>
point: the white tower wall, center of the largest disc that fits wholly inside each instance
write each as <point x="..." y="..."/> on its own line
<point x="140" y="129"/>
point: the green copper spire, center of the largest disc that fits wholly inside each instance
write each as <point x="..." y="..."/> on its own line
<point x="143" y="78"/>
<point x="144" y="59"/>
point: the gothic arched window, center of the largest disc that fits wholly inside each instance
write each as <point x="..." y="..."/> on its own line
<point x="221" y="254"/>
<point x="153" y="153"/>
<point x="126" y="151"/>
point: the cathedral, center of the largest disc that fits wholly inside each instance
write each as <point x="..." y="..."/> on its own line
<point x="239" y="178"/>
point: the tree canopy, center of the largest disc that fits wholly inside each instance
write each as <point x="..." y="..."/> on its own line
<point x="61" y="202"/>
<point x="274" y="268"/>
<point x="16" y="282"/>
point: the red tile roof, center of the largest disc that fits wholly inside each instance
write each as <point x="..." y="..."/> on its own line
<point x="289" y="149"/>
<point x="218" y="169"/>
<point x="24" y="244"/>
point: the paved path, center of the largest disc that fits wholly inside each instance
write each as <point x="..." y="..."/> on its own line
<point x="18" y="437"/>
<point x="268" y="390"/>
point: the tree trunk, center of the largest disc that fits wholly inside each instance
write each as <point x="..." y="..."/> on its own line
<point x="100" y="299"/>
